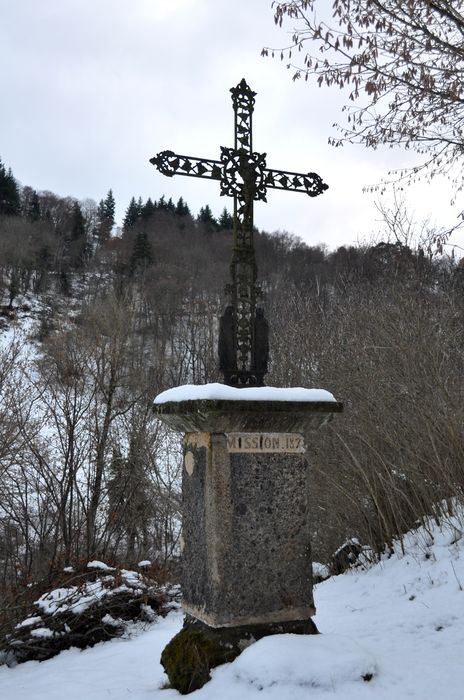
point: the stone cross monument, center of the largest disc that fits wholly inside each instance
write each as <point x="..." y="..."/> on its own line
<point x="246" y="527"/>
<point x="243" y="175"/>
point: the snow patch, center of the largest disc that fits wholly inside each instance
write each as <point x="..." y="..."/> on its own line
<point x="51" y="602"/>
<point x="221" y="392"/>
<point x="148" y="613"/>
<point x="109" y="620"/>
<point x="99" y="565"/>
<point x="42" y="633"/>
<point x="320" y="570"/>
<point x="28" y="622"/>
<point x="316" y="661"/>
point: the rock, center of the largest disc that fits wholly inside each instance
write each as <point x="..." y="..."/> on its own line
<point x="189" y="657"/>
<point x="345" y="556"/>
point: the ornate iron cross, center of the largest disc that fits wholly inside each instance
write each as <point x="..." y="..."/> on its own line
<point x="242" y="173"/>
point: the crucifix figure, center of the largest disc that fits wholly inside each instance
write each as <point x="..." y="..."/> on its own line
<point x="243" y="175"/>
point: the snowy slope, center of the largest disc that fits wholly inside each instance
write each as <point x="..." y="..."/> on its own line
<point x="402" y="620"/>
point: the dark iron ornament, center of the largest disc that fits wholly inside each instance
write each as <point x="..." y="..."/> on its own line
<point x="243" y="175"/>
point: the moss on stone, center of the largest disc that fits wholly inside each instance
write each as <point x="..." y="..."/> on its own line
<point x="189" y="657"/>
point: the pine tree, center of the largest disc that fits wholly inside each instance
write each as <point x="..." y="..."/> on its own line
<point x="110" y="206"/>
<point x="33" y="211"/>
<point x="132" y="215"/>
<point x="162" y="204"/>
<point x="30" y="204"/>
<point x="226" y="220"/>
<point x="182" y="208"/>
<point x="10" y="204"/>
<point x="142" y="252"/>
<point x="205" y="216"/>
<point x="105" y="217"/>
<point x="148" y="209"/>
<point x="79" y="246"/>
<point x="78" y="223"/>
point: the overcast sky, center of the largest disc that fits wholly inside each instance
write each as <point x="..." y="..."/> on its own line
<point x="91" y="89"/>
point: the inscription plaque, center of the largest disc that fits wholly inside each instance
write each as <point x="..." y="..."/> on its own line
<point x="265" y="442"/>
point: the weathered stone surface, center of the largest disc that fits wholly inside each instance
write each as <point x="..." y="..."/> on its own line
<point x="189" y="657"/>
<point x="246" y="527"/>
<point x="220" y="416"/>
<point x="246" y="557"/>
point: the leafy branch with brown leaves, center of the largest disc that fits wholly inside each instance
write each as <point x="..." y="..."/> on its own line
<point x="402" y="63"/>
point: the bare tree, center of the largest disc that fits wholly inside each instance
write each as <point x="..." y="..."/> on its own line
<point x="388" y="343"/>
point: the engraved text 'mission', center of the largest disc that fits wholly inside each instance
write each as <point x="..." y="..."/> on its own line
<point x="265" y="442"/>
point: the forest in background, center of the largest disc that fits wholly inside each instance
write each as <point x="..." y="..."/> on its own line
<point x="115" y="317"/>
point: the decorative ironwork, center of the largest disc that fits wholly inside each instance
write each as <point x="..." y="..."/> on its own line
<point x="243" y="175"/>
<point x="240" y="170"/>
<point x="310" y="183"/>
<point x="169" y="163"/>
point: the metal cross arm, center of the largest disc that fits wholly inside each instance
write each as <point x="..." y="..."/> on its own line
<point x="309" y="183"/>
<point x="169" y="163"/>
<point x="237" y="161"/>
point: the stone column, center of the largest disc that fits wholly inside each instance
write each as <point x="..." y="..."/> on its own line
<point x="246" y="527"/>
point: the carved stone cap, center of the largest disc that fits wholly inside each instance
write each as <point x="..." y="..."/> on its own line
<point x="223" y="416"/>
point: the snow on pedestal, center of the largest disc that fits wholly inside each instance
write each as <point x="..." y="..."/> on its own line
<point x="221" y="392"/>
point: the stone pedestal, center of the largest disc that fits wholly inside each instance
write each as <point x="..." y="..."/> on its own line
<point x="246" y="526"/>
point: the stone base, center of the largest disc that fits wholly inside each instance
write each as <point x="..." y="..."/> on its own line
<point x="245" y="635"/>
<point x="197" y="648"/>
<point x="246" y="533"/>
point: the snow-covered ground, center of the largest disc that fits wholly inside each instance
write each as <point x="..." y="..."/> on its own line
<point x="401" y="620"/>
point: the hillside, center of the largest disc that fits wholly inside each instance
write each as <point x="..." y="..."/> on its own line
<point x="380" y="327"/>
<point x="399" y="620"/>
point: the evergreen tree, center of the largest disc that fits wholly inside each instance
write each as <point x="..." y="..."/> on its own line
<point x="77" y="223"/>
<point x="79" y="246"/>
<point x="142" y="252"/>
<point x="170" y="206"/>
<point x="205" y="216"/>
<point x="33" y="211"/>
<point x="182" y="208"/>
<point x="110" y="206"/>
<point x="30" y="204"/>
<point x="162" y="204"/>
<point x="148" y="209"/>
<point x="226" y="220"/>
<point x="105" y="217"/>
<point x="132" y="215"/>
<point x="10" y="204"/>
